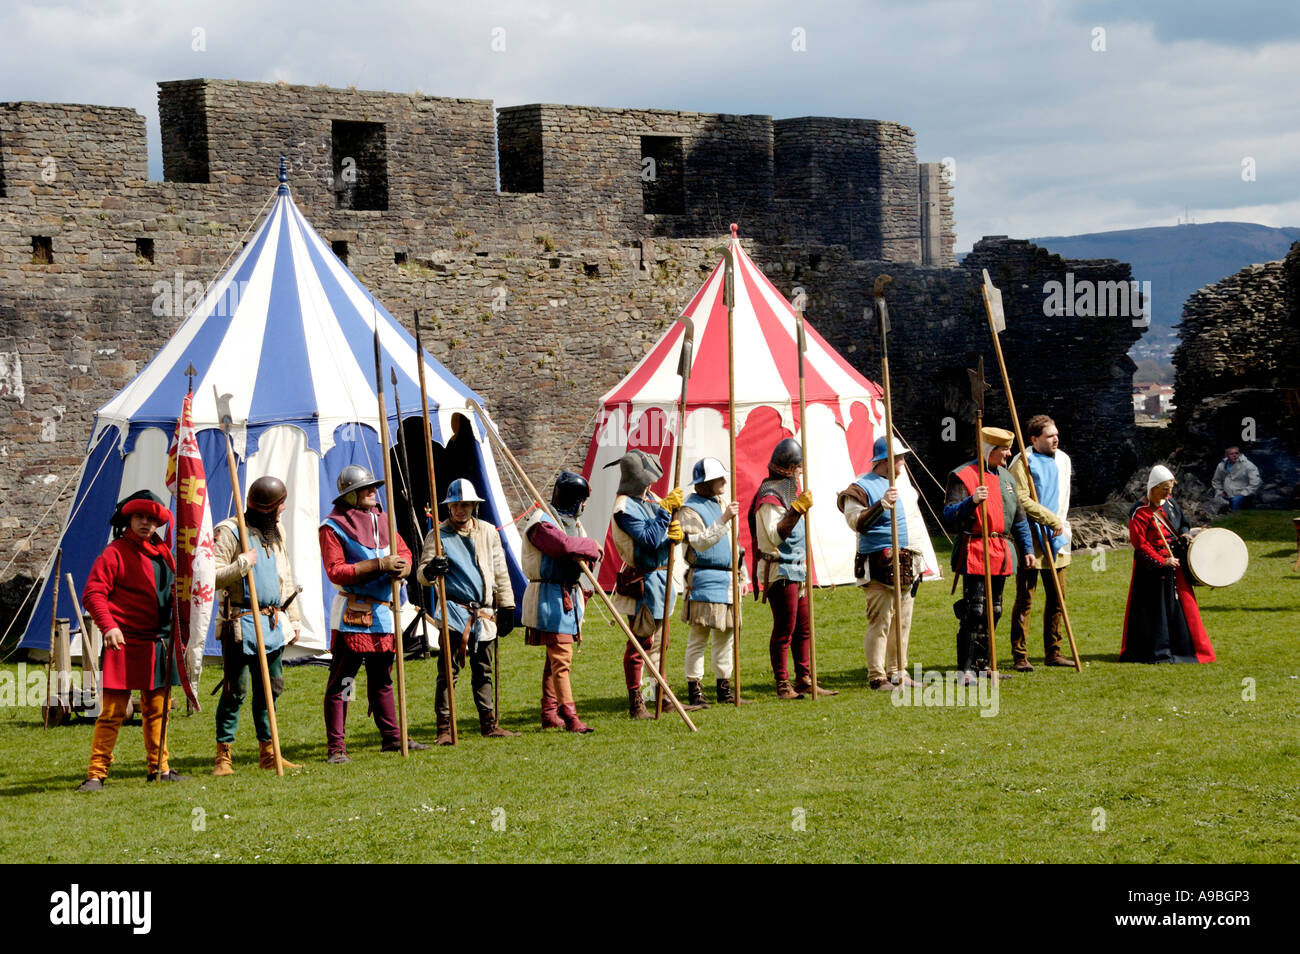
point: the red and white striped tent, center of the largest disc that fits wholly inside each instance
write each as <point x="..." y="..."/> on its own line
<point x="845" y="414"/>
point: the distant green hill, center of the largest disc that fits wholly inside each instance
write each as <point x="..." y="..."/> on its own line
<point x="1177" y="260"/>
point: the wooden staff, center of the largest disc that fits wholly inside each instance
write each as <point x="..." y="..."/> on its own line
<point x="978" y="387"/>
<point x="392" y="545"/>
<point x="729" y="298"/>
<point x="997" y="322"/>
<point x="404" y="471"/>
<point x="586" y="570"/>
<point x="684" y="371"/>
<point x="440" y="587"/>
<point x="802" y="345"/>
<point x="882" y="313"/>
<point x="254" y="607"/>
<point x="54" y="623"/>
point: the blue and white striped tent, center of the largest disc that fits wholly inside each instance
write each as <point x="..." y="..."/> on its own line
<point x="288" y="332"/>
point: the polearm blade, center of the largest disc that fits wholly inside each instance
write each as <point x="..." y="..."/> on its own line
<point x="977" y="388"/>
<point x="997" y="325"/>
<point x="684" y="371"/>
<point x="227" y="421"/>
<point x="882" y="319"/>
<point x="392" y="541"/>
<point x="440" y="586"/>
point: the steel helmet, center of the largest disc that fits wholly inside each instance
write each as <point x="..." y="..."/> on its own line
<point x="570" y="492"/>
<point x="786" y="456"/>
<point x="706" y="469"/>
<point x="461" y="491"/>
<point x="266" y="494"/>
<point x="880" y="452"/>
<point x="353" y="478"/>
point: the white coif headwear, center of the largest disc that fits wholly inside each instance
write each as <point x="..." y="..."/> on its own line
<point x="1159" y="474"/>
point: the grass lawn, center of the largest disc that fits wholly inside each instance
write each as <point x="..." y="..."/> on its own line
<point x="1119" y="763"/>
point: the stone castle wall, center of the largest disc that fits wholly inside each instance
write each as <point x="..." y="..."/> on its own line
<point x="1236" y="379"/>
<point x="405" y="187"/>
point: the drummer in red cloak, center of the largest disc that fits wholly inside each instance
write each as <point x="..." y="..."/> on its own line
<point x="1162" y="622"/>
<point x="130" y="595"/>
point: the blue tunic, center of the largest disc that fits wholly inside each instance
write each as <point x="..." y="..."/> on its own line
<point x="463" y="582"/>
<point x="878" y="536"/>
<point x="266" y="576"/>
<point x="557" y="578"/>
<point x="711" y="569"/>
<point x="647" y="524"/>
<point x="380" y="588"/>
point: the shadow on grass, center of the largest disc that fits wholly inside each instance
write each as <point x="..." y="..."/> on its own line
<point x="1247" y="609"/>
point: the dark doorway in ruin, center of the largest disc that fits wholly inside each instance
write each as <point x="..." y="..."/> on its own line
<point x="663" y="190"/>
<point x="360" y="159"/>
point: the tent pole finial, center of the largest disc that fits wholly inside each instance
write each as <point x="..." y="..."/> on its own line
<point x="284" y="176"/>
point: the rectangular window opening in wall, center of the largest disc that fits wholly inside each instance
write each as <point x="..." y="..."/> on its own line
<point x="340" y="250"/>
<point x="42" y="250"/>
<point x="399" y="258"/>
<point x="663" y="177"/>
<point x="2" y="170"/>
<point x="360" y="152"/>
<point x="591" y="271"/>
<point x="144" y="250"/>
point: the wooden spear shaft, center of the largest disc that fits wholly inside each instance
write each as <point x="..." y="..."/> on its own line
<point x="1048" y="555"/>
<point x="254" y="607"/>
<point x="729" y="295"/>
<point x="684" y="370"/>
<point x="807" y="519"/>
<point x="896" y="628"/>
<point x="440" y="586"/>
<point x="54" y="625"/>
<point x="983" y="513"/>
<point x="391" y="514"/>
<point x="596" y="588"/>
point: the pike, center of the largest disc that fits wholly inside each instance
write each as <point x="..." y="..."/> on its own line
<point x="404" y="471"/>
<point x="490" y="429"/>
<point x="977" y="388"/>
<point x="255" y="608"/>
<point x="882" y="315"/>
<point x="54" y="626"/>
<point x="392" y="542"/>
<point x="998" y="323"/>
<point x="683" y="371"/>
<point x="729" y="298"/>
<point x="802" y="345"/>
<point x="440" y="587"/>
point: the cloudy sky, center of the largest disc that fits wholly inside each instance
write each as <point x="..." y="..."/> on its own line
<point x="1059" y="116"/>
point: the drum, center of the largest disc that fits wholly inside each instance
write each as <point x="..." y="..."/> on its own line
<point x="1217" y="557"/>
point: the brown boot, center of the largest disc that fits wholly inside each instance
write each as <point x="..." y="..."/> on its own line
<point x="488" y="728"/>
<point x="725" y="696"/>
<point x="695" y="697"/>
<point x="804" y="684"/>
<point x="786" y="691"/>
<point x="636" y="705"/>
<point x="223" y="765"/>
<point x="266" y="757"/>
<point x="1022" y="664"/>
<point x="1059" y="660"/>
<point x="569" y="713"/>
<point x="444" y="732"/>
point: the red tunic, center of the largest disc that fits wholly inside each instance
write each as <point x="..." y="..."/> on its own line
<point x="122" y="593"/>
<point x="999" y="546"/>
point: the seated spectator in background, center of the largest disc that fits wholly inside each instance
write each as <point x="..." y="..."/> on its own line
<point x="1236" y="480"/>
